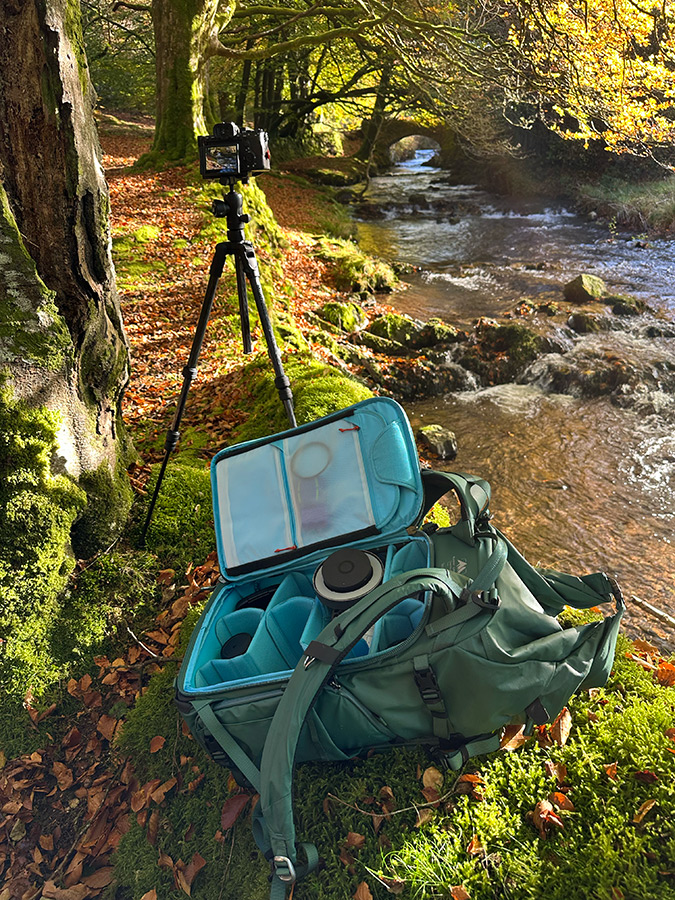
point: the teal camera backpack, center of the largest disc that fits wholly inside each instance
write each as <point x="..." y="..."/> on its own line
<point x="340" y="624"/>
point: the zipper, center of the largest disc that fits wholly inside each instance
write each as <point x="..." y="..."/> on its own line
<point x="339" y="688"/>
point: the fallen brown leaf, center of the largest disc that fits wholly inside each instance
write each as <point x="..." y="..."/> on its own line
<point x="665" y="674"/>
<point x="459" y="892"/>
<point x="562" y="801"/>
<point x="159" y="793"/>
<point x="513" y="737"/>
<point x="106" y="726"/>
<point x="423" y="816"/>
<point x="561" y="727"/>
<point x="363" y="892"/>
<point x="610" y="770"/>
<point x="100" y="878"/>
<point x="432" y="778"/>
<point x="232" y="809"/>
<point x="646" y="777"/>
<point x="544" y="815"/>
<point x="356" y="840"/>
<point x="475" y="847"/>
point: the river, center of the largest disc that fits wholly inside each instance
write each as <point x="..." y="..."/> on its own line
<point x="578" y="484"/>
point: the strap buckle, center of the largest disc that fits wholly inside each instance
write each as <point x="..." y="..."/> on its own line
<point x="283" y="862"/>
<point x="487" y="599"/>
<point x="427" y="685"/>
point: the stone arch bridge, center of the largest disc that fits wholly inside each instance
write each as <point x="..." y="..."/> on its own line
<point x="393" y="130"/>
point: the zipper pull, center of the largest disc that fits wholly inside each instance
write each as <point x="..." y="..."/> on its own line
<point x="335" y="684"/>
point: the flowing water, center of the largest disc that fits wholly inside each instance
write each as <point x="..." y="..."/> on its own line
<point x="578" y="484"/>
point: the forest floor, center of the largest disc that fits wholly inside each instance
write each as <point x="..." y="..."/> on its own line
<point x="114" y="800"/>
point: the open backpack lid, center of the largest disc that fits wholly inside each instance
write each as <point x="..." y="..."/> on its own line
<point x="349" y="477"/>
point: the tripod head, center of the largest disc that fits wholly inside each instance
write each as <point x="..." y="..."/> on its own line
<point x="231" y="208"/>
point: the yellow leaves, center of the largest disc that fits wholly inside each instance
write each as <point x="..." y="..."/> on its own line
<point x="605" y="63"/>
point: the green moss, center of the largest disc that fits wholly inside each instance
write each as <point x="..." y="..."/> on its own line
<point x="600" y="852"/>
<point x="38" y="510"/>
<point x="181" y="531"/>
<point x="72" y="24"/>
<point x="318" y="389"/>
<point x="434" y="332"/>
<point x="109" y="498"/>
<point x="353" y="270"/>
<point x="502" y="351"/>
<point x="347" y="317"/>
<point x="380" y="344"/>
<point x="145" y="234"/>
<point x="393" y="327"/>
<point x="31" y="326"/>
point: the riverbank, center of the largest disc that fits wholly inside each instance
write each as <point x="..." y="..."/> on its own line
<point x="104" y="793"/>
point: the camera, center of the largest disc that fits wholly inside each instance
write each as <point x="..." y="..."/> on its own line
<point x="233" y="154"/>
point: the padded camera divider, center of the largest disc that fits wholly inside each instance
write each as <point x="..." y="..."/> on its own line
<point x="237" y="622"/>
<point x="414" y="554"/>
<point x="318" y="618"/>
<point x="398" y="624"/>
<point x="275" y="646"/>
<point x="295" y="584"/>
<point x="284" y="625"/>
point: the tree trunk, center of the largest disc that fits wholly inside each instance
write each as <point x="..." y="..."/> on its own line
<point x="183" y="31"/>
<point x="372" y="127"/>
<point x="62" y="343"/>
<point x="243" y="93"/>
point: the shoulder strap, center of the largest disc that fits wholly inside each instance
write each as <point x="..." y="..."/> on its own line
<point x="320" y="660"/>
<point x="473" y="495"/>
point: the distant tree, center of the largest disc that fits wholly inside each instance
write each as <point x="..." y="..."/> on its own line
<point x="121" y="54"/>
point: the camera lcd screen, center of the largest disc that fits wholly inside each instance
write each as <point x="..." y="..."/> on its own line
<point x="221" y="159"/>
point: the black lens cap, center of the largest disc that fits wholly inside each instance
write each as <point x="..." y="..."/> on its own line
<point x="236" y="645"/>
<point x="347" y="569"/>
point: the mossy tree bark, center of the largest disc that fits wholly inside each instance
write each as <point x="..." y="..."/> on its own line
<point x="62" y="342"/>
<point x="184" y="30"/>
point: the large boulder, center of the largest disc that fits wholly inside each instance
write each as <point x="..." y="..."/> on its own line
<point x="439" y="440"/>
<point x="394" y="327"/>
<point x="348" y="317"/>
<point x="584" y="289"/>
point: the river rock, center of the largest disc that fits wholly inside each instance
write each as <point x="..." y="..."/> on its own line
<point x="417" y="198"/>
<point x="584" y="288"/>
<point x="432" y="333"/>
<point x="501" y="352"/>
<point x="347" y="317"/>
<point x="626" y="305"/>
<point x="664" y="330"/>
<point x="585" y="323"/>
<point x="394" y="327"/>
<point x="439" y="440"/>
<point x="369" y="211"/>
<point x="425" y="379"/>
<point x="378" y="344"/>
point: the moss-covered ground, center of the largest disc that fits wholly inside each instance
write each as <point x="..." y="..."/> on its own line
<point x="105" y="793"/>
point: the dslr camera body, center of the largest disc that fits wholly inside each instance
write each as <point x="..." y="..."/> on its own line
<point x="232" y="154"/>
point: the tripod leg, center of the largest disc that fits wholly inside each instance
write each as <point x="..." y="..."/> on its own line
<point x="245" y="259"/>
<point x="242" y="292"/>
<point x="189" y="374"/>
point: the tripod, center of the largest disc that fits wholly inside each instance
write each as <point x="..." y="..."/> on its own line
<point x="247" y="273"/>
